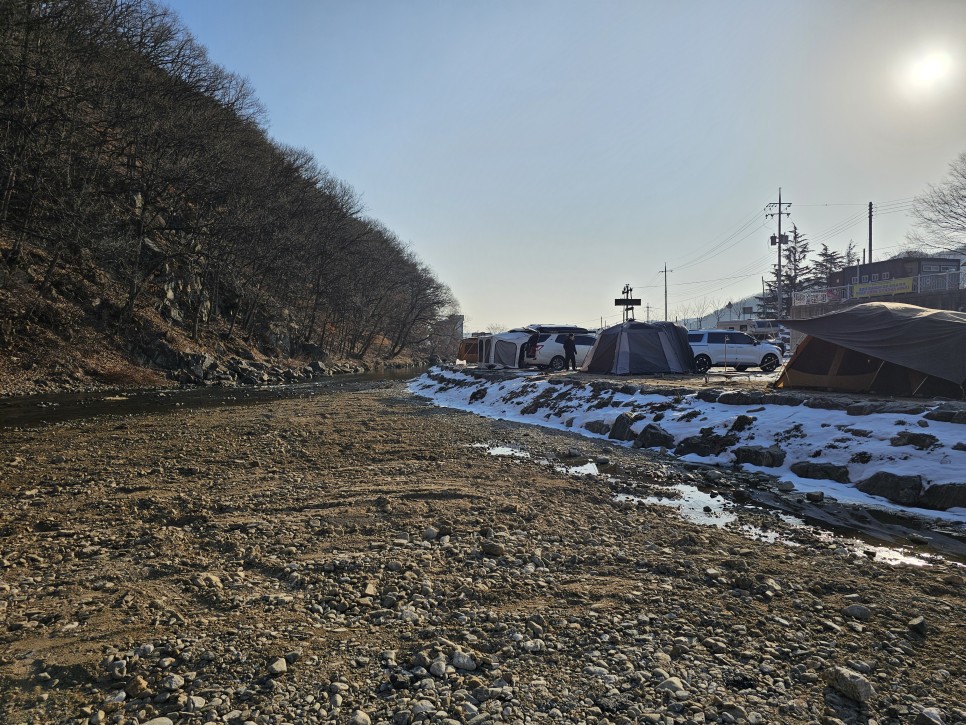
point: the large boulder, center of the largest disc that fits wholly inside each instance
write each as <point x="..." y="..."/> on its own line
<point x="826" y="403"/>
<point x="922" y="441"/>
<point x="944" y="496"/>
<point x="867" y="407"/>
<point x="948" y="413"/>
<point x="742" y="423"/>
<point x="621" y="430"/>
<point x="770" y="457"/>
<point x="821" y="471"/>
<point x="782" y="399"/>
<point x="740" y="397"/>
<point x="709" y="395"/>
<point x="903" y="490"/>
<point x="317" y="367"/>
<point x="163" y="355"/>
<point x="199" y="364"/>
<point x="654" y="436"/>
<point x="599" y="427"/>
<point x="708" y="443"/>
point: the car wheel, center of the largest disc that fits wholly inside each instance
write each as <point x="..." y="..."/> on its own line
<point x="702" y="363"/>
<point x="769" y="362"/>
<point x="557" y="363"/>
<point x="741" y="368"/>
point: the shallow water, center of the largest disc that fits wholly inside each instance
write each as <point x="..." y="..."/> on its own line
<point x="35" y="410"/>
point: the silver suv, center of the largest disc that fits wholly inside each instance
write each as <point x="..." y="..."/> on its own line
<point x="549" y="351"/>
<point x="728" y="348"/>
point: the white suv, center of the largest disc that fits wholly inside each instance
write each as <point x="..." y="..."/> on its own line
<point x="728" y="348"/>
<point x="549" y="350"/>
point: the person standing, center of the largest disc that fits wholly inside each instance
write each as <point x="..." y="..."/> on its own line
<point x="570" y="352"/>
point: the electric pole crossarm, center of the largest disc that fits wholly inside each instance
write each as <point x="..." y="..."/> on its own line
<point x="779" y="240"/>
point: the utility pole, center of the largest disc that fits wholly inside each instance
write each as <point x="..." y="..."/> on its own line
<point x="665" y="291"/>
<point x="648" y="308"/>
<point x="779" y="240"/>
<point x="870" y="232"/>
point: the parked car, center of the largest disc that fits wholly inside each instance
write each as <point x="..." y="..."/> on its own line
<point x="728" y="348"/>
<point x="776" y="341"/>
<point x="542" y="327"/>
<point x="768" y="331"/>
<point x="548" y="349"/>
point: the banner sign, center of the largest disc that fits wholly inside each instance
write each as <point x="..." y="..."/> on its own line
<point x="886" y="287"/>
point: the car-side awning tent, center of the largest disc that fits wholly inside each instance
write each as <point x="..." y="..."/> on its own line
<point x="503" y="348"/>
<point x="883" y="347"/>
<point x="633" y="348"/>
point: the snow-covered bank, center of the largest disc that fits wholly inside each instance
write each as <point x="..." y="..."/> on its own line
<point x="896" y="454"/>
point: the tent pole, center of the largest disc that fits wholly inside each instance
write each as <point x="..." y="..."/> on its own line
<point x="922" y="382"/>
<point x="876" y="376"/>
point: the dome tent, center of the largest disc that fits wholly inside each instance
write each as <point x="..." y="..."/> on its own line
<point x="634" y="348"/>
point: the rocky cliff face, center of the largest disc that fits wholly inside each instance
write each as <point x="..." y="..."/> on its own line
<point x="75" y="337"/>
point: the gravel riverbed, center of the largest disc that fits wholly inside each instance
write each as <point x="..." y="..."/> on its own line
<point x="360" y="557"/>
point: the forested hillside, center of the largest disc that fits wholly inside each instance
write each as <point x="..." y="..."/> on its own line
<point x="145" y="214"/>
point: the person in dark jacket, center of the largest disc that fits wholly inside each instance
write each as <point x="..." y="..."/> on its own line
<point x="570" y="352"/>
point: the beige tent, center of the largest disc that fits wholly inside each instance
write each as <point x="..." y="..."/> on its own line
<point x="503" y="349"/>
<point x="883" y="347"/>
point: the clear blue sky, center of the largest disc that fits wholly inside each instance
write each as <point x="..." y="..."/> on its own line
<point x="541" y="154"/>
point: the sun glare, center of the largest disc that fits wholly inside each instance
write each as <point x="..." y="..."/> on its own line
<point x="928" y="72"/>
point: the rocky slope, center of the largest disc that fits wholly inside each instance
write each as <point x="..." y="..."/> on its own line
<point x="359" y="557"/>
<point x="73" y="338"/>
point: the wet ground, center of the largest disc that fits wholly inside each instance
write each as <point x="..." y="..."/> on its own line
<point x="879" y="532"/>
<point x="356" y="554"/>
<point x="876" y="533"/>
<point x="34" y="410"/>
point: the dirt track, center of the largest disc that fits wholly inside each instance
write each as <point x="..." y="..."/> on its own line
<point x="359" y="557"/>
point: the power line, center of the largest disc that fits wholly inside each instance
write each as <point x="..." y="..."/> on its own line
<point x="859" y="203"/>
<point x="756" y="273"/>
<point x="839" y="228"/>
<point x="717" y="247"/>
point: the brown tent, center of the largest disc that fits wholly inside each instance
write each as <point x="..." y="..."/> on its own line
<point x="469" y="350"/>
<point x="882" y="347"/>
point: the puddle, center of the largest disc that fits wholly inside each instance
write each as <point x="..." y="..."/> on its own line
<point x="502" y="450"/>
<point x="584" y="469"/>
<point x="692" y="503"/>
<point x="701" y="508"/>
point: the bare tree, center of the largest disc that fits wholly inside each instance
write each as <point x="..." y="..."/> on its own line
<point x="119" y="138"/>
<point x="940" y="213"/>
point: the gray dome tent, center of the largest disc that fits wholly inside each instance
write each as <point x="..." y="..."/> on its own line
<point x="634" y="348"/>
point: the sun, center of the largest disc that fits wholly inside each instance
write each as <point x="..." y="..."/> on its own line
<point x="928" y="72"/>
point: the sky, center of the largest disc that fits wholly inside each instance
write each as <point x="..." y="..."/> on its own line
<point x="539" y="155"/>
